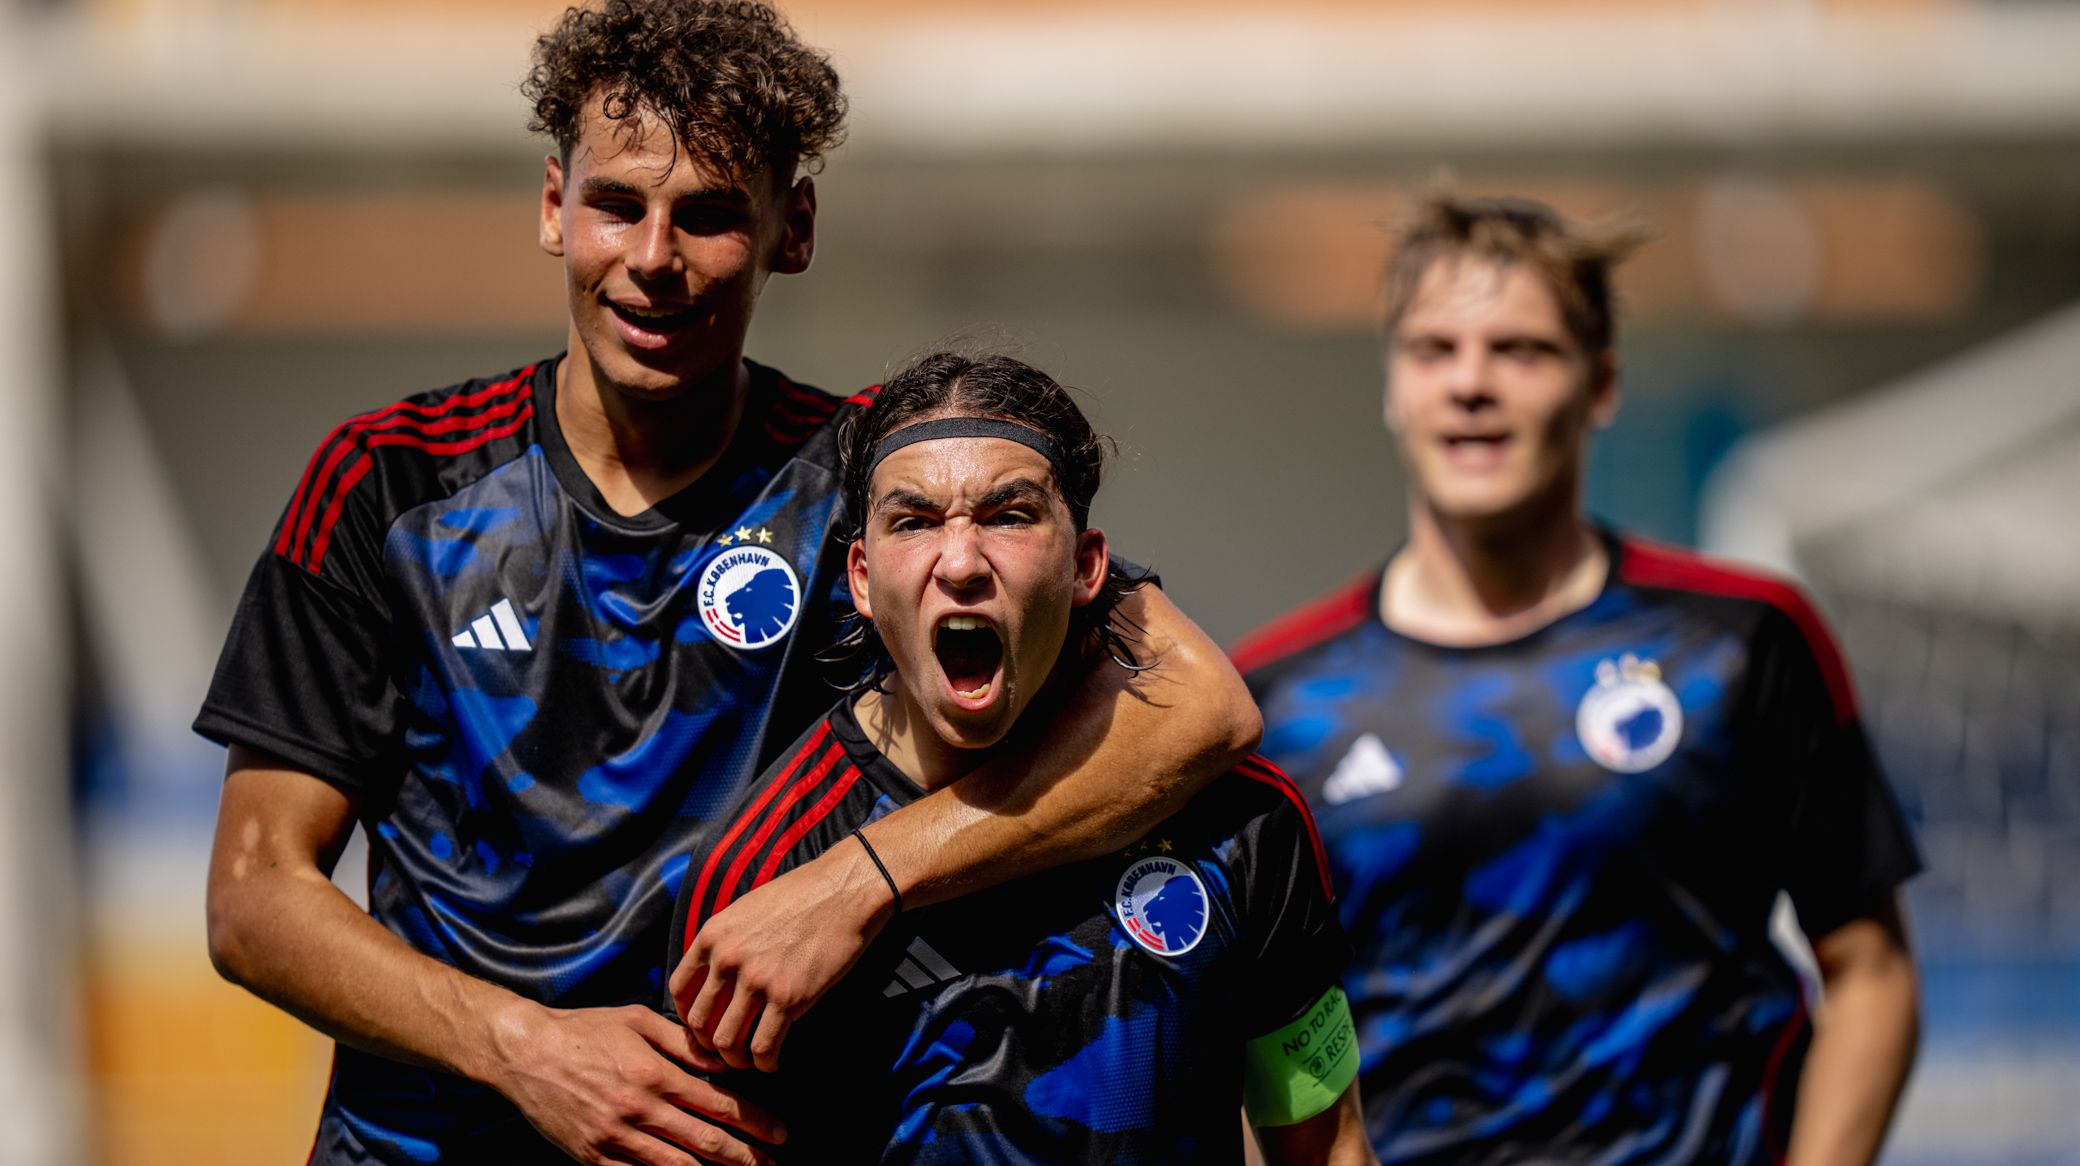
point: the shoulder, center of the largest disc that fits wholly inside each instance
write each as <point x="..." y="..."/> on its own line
<point x="1772" y="610"/>
<point x="375" y="465"/>
<point x="793" y="811"/>
<point x="1292" y="635"/>
<point x="1256" y="798"/>
<point x="804" y="420"/>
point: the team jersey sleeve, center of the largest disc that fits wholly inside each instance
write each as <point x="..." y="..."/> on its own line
<point x="306" y="672"/>
<point x="1297" y="945"/>
<point x="1848" y="846"/>
<point x="1300" y="1049"/>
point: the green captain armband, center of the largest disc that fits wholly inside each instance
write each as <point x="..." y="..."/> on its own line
<point x="1297" y="1072"/>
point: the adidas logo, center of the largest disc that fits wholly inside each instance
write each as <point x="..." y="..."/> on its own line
<point x="496" y="631"/>
<point x="922" y="968"/>
<point x="1367" y="769"/>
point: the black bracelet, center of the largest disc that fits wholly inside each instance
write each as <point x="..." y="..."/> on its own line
<point x="885" y="876"/>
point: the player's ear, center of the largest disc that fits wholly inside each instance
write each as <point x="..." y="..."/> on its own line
<point x="1603" y="391"/>
<point x="552" y="206"/>
<point x="856" y="574"/>
<point x="797" y="243"/>
<point x="1093" y="557"/>
<point x="1390" y="407"/>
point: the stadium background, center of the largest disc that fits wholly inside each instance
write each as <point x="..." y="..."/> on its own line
<point x="225" y="224"/>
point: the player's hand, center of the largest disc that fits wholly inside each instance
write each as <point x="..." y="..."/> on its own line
<point x="759" y="964"/>
<point x="601" y="1083"/>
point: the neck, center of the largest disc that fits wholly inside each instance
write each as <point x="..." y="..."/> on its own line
<point x="909" y="743"/>
<point x="1471" y="582"/>
<point x="639" y="451"/>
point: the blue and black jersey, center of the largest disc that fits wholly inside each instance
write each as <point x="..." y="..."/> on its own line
<point x="1092" y="1013"/>
<point x="1557" y="859"/>
<point x="534" y="702"/>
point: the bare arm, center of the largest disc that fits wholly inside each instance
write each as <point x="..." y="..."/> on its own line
<point x="600" y="1083"/>
<point x="1863" y="1042"/>
<point x="1124" y="752"/>
<point x="1333" y="1137"/>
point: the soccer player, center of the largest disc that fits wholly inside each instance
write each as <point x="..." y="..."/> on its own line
<point x="1563" y="774"/>
<point x="532" y="631"/>
<point x="1114" y="1010"/>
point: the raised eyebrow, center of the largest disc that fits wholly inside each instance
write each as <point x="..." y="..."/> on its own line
<point x="1016" y="490"/>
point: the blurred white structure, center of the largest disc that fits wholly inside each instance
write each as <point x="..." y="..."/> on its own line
<point x="1956" y="488"/>
<point x="1054" y="77"/>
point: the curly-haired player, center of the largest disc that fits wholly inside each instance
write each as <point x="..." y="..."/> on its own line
<point x="534" y="630"/>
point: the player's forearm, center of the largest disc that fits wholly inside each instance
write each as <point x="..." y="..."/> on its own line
<point x="280" y="928"/>
<point x="1333" y="1137"/>
<point x="1863" y="1046"/>
<point x="299" y="943"/>
<point x="1124" y="752"/>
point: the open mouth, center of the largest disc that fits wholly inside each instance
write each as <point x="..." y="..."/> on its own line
<point x="969" y="655"/>
<point x="1476" y="450"/>
<point x="660" y="323"/>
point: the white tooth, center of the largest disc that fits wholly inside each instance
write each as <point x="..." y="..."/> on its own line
<point x="974" y="694"/>
<point x="964" y="623"/>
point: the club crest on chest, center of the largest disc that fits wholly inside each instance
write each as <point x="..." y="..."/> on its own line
<point x="1629" y="721"/>
<point x="749" y="596"/>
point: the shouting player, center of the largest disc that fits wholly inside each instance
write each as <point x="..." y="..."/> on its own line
<point x="533" y="630"/>
<point x="1117" y="1010"/>
<point x="1563" y="774"/>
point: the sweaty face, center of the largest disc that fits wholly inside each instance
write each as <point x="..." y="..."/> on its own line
<point x="969" y="568"/>
<point x="663" y="257"/>
<point x="1489" y="394"/>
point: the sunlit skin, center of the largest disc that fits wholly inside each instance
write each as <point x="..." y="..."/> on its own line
<point x="966" y="527"/>
<point x="664" y="259"/>
<point x="1490" y="396"/>
<point x="1491" y="399"/>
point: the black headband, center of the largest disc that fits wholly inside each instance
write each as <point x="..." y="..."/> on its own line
<point x="946" y="427"/>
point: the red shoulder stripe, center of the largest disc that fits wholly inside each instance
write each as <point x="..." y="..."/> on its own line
<point x="416" y="441"/>
<point x="340" y="443"/>
<point x="817" y="813"/>
<point x="743" y="822"/>
<point x="797" y="413"/>
<point x="1651" y="564"/>
<point x="864" y="397"/>
<point x="796" y="401"/>
<point x="770" y="821"/>
<point x="296" y="523"/>
<point x="1258" y="769"/>
<point x="1299" y="630"/>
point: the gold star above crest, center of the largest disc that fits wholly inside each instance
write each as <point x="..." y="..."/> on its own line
<point x="1164" y="846"/>
<point x="743" y="534"/>
<point x="724" y="541"/>
<point x="765" y="537"/>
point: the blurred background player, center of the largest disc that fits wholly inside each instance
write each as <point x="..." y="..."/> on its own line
<point x="1115" y="1010"/>
<point x="533" y="630"/>
<point x="1564" y="774"/>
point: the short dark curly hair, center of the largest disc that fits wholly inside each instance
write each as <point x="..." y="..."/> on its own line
<point x="952" y="384"/>
<point x="733" y="82"/>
